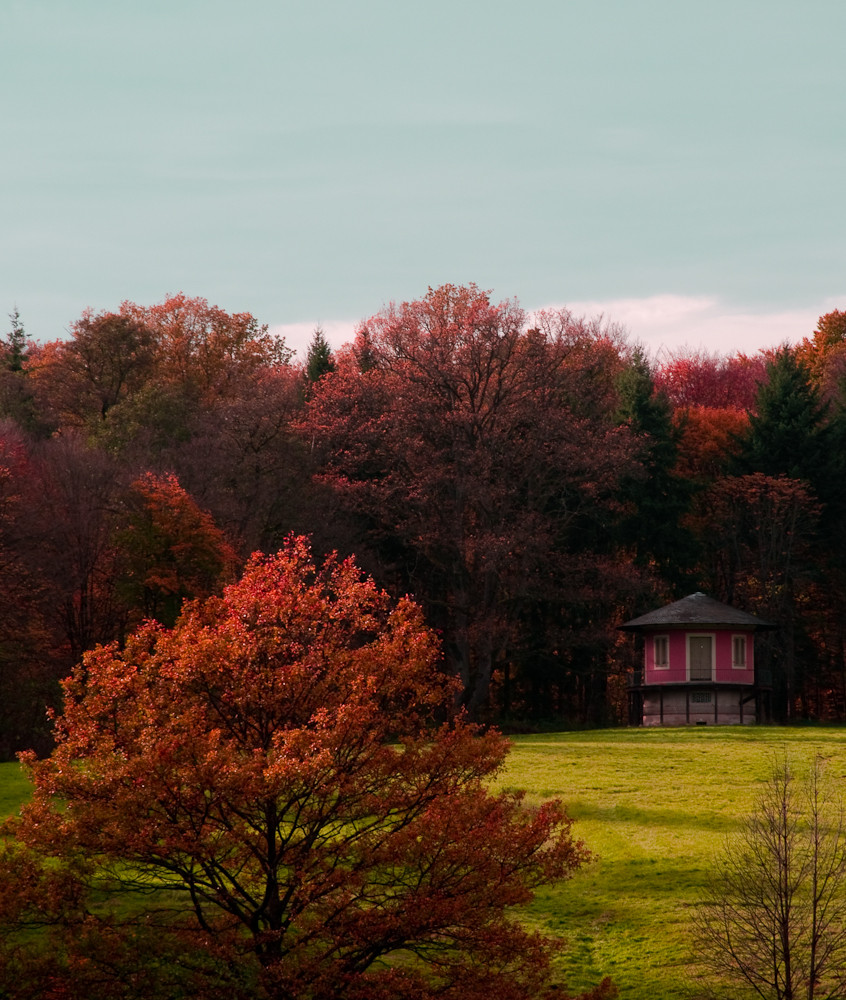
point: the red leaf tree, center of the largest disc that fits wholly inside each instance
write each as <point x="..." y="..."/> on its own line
<point x="481" y="458"/>
<point x="267" y="777"/>
<point x="698" y="378"/>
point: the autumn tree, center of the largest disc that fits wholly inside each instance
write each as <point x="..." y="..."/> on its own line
<point x="73" y="494"/>
<point x="218" y="413"/>
<point x="108" y="358"/>
<point x="702" y="378"/>
<point x="824" y="355"/>
<point x="140" y="374"/>
<point x="268" y="785"/>
<point x="245" y="463"/>
<point x="204" y="350"/>
<point x="478" y="456"/>
<point x="169" y="550"/>
<point x="830" y="331"/>
<point x="55" y="585"/>
<point x="710" y="441"/>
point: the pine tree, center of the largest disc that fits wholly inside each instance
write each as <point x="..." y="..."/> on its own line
<point x="16" y="344"/>
<point x="16" y="397"/>
<point x="660" y="498"/>
<point x="319" y="361"/>
<point x="363" y="351"/>
<point x="793" y="434"/>
<point x="790" y="435"/>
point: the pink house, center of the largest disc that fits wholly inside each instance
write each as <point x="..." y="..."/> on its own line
<point x="698" y="666"/>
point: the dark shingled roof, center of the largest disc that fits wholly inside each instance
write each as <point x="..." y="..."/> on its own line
<point x="698" y="610"/>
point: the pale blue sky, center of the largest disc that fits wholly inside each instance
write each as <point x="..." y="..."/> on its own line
<point x="678" y="164"/>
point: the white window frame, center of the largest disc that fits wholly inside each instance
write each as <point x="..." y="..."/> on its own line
<point x="661" y="641"/>
<point x="740" y="639"/>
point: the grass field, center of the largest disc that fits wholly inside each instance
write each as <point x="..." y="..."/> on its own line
<point x="14" y="789"/>
<point x="655" y="806"/>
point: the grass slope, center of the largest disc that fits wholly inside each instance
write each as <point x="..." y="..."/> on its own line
<point x="656" y="806"/>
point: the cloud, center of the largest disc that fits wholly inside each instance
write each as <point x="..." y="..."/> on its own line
<point x="667" y="322"/>
<point x="298" y="335"/>
<point x="675" y="321"/>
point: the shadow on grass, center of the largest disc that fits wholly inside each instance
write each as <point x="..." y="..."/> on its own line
<point x="618" y="897"/>
<point x="645" y="878"/>
<point x="677" y="819"/>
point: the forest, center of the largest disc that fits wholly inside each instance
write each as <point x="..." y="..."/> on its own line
<point x="532" y="481"/>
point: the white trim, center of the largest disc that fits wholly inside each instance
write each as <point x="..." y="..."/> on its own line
<point x="665" y="639"/>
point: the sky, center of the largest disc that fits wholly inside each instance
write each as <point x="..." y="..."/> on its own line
<point x="676" y="166"/>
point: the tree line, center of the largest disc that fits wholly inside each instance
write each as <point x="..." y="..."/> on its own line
<point x="531" y="480"/>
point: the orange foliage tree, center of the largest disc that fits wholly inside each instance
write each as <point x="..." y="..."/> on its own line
<point x="204" y="348"/>
<point x="824" y="354"/>
<point x="710" y="440"/>
<point x="268" y="783"/>
<point x="144" y="370"/>
<point x="171" y="549"/>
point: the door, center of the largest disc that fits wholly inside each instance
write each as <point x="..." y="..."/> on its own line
<point x="700" y="649"/>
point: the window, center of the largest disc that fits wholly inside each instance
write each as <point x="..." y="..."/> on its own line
<point x="738" y="651"/>
<point x="661" y="652"/>
<point x="702" y="697"/>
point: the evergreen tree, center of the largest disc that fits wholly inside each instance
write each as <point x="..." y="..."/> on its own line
<point x="660" y="498"/>
<point x="16" y="344"/>
<point x="319" y="360"/>
<point x="16" y="396"/>
<point x="363" y="351"/>
<point x="791" y="435"/>
<point x="794" y="434"/>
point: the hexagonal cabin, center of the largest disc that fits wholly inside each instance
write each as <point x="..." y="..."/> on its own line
<point x="698" y="666"/>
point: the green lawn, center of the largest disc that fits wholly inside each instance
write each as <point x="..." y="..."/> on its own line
<point x="655" y="805"/>
<point x="14" y="789"/>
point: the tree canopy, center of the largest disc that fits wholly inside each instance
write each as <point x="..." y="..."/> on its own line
<point x="532" y="479"/>
<point x="472" y="446"/>
<point x="279" y="786"/>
